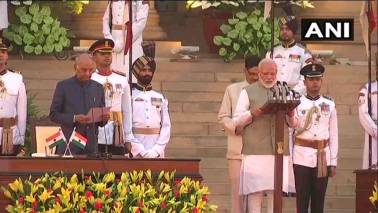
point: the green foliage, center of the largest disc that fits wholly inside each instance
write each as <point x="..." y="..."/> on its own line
<point x="247" y="33"/>
<point x="36" y="31"/>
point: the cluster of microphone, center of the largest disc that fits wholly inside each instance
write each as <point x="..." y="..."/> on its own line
<point x="281" y="92"/>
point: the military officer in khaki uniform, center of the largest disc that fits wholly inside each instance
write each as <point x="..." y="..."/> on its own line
<point x="116" y="27"/>
<point x="316" y="142"/>
<point x="13" y="106"/>
<point x="234" y="143"/>
<point x="369" y="122"/>
<point x="117" y="97"/>
<point x="151" y="125"/>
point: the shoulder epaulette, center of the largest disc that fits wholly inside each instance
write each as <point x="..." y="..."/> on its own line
<point x="327" y="97"/>
<point x="10" y="70"/>
<point x="119" y="73"/>
<point x="303" y="47"/>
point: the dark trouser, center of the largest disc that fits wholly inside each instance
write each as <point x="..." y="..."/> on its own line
<point x="111" y="149"/>
<point x="309" y="186"/>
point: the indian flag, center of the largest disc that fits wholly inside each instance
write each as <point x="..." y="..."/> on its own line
<point x="55" y="139"/>
<point x="78" y="140"/>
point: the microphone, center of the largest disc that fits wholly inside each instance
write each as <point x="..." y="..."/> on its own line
<point x="287" y="90"/>
<point x="280" y="97"/>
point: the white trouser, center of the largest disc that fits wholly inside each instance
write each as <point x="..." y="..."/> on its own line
<point x="255" y="201"/>
<point x="234" y="174"/>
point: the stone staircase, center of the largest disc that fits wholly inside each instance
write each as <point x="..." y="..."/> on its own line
<point x="195" y="90"/>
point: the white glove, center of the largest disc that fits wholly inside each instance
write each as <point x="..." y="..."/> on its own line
<point x="151" y="154"/>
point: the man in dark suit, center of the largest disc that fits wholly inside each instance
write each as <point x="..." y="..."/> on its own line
<point x="72" y="100"/>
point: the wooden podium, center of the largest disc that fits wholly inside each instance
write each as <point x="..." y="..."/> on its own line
<point x="279" y="108"/>
<point x="14" y="167"/>
<point x="364" y="187"/>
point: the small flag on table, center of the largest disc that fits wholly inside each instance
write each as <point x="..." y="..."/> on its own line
<point x="78" y="140"/>
<point x="55" y="139"/>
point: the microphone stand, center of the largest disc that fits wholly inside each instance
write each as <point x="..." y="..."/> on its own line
<point x="105" y="155"/>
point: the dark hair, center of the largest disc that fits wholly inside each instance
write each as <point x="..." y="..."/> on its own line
<point x="251" y="61"/>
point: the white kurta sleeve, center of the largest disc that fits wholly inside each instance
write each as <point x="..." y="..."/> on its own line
<point x="333" y="138"/>
<point x="105" y="24"/>
<point x="242" y="116"/>
<point x="141" y="19"/>
<point x="21" y="114"/>
<point x="165" y="130"/>
<point x="365" y="119"/>
<point x="225" y="114"/>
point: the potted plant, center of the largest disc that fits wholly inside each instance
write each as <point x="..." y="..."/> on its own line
<point x="130" y="192"/>
<point x="247" y="33"/>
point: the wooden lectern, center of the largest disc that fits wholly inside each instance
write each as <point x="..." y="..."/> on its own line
<point x="279" y="108"/>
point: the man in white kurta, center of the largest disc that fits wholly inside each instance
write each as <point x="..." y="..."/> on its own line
<point x="257" y="129"/>
<point x="151" y="125"/>
<point x="117" y="97"/>
<point x="369" y="122"/>
<point x="13" y="106"/>
<point x="234" y="142"/>
<point x="116" y="29"/>
<point x="316" y="142"/>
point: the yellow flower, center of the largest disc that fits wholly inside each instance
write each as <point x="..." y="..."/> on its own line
<point x="8" y="194"/>
<point x="109" y="177"/>
<point x="14" y="185"/>
<point x="74" y="179"/>
<point x="30" y="198"/>
<point x="45" y="195"/>
<point x="57" y="185"/>
<point x="100" y="187"/>
<point x="374" y="196"/>
<point x="124" y="177"/>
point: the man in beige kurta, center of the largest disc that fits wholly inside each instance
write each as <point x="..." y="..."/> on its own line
<point x="234" y="143"/>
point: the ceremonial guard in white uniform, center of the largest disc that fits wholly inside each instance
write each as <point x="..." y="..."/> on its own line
<point x="369" y="122"/>
<point x="316" y="142"/>
<point x="234" y="142"/>
<point x="13" y="106"/>
<point x="151" y="125"/>
<point x="290" y="56"/>
<point x="117" y="97"/>
<point x="116" y="27"/>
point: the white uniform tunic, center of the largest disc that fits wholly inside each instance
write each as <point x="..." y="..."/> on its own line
<point x="121" y="17"/>
<point x="289" y="62"/>
<point x="323" y="126"/>
<point x="257" y="173"/>
<point x="119" y="100"/>
<point x="369" y="123"/>
<point x="3" y="14"/>
<point x="150" y="110"/>
<point x="13" y="102"/>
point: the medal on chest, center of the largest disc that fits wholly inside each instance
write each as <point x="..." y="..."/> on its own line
<point x="3" y="89"/>
<point x="324" y="108"/>
<point x="108" y="89"/>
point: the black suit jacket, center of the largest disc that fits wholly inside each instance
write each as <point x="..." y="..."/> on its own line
<point x="72" y="97"/>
